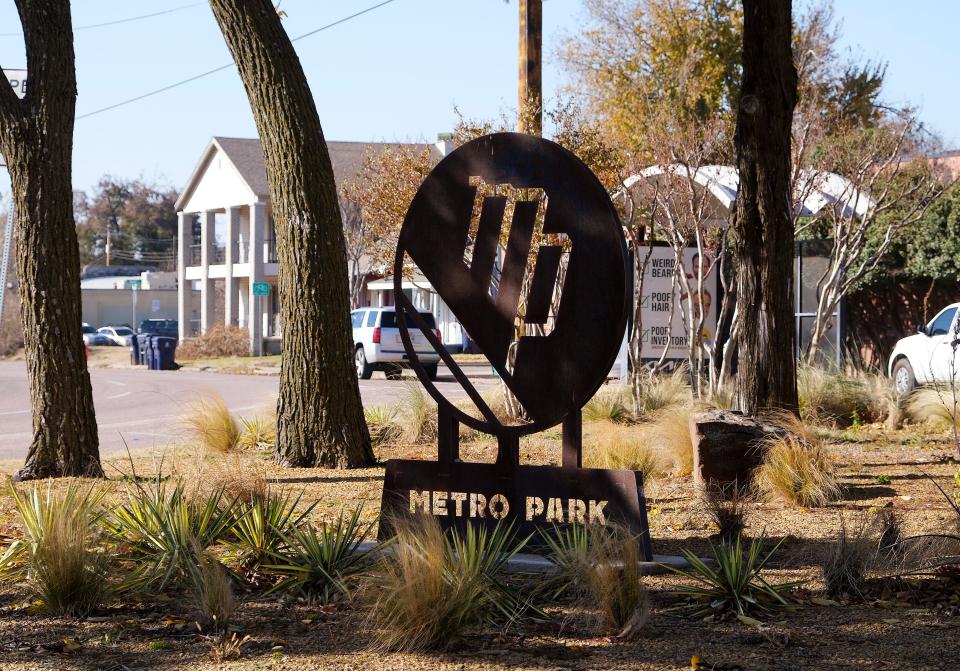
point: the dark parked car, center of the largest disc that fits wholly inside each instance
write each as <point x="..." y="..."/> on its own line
<point x="169" y="328"/>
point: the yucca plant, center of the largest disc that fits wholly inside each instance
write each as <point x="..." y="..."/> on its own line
<point x="736" y="585"/>
<point x="569" y="551"/>
<point x="315" y="564"/>
<point x="59" y="558"/>
<point x="431" y="586"/>
<point x="259" y="527"/>
<point x="258" y="433"/>
<point x="163" y="532"/>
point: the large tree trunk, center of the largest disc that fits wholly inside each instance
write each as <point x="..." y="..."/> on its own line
<point x="766" y="368"/>
<point x="319" y="413"/>
<point x="36" y="137"/>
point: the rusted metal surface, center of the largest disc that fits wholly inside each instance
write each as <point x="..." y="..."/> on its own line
<point x="566" y="347"/>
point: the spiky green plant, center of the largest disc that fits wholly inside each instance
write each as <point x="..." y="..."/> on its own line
<point x="258" y="433"/>
<point x="316" y="563"/>
<point x="735" y="584"/>
<point x="162" y="533"/>
<point x="260" y="526"/>
<point x="59" y="558"/>
<point x="569" y="551"/>
<point x="432" y="586"/>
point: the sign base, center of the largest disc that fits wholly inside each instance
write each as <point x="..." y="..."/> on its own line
<point x="533" y="498"/>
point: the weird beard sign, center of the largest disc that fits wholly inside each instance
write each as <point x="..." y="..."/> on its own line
<point x="523" y="244"/>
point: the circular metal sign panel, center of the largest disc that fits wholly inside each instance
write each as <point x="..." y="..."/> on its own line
<point x="522" y="243"/>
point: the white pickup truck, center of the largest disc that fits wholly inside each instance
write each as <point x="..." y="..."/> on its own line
<point x="931" y="355"/>
<point x="377" y="343"/>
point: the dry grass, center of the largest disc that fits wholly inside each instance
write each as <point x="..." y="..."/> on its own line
<point x="419" y="413"/>
<point x="619" y="447"/>
<point x="832" y="398"/>
<point x="933" y="405"/>
<point x="798" y="472"/>
<point x="383" y="422"/>
<point x="210" y="424"/>
<point x="671" y="432"/>
<point x="213" y="591"/>
<point x="660" y="392"/>
<point x="849" y="559"/>
<point x="218" y="341"/>
<point x="239" y="476"/>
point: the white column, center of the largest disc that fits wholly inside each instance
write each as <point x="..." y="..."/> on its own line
<point x="255" y="303"/>
<point x="184" y="235"/>
<point x="230" y="284"/>
<point x="207" y="220"/>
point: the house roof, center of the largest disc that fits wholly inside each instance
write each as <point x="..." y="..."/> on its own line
<point x="246" y="155"/>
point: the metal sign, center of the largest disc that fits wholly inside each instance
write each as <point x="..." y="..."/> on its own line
<point x="133" y="284"/>
<point x="523" y="244"/>
<point x="17" y="78"/>
<point x="261" y="288"/>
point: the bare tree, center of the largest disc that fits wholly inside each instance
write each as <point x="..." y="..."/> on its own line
<point x="319" y="412"/>
<point x="763" y="226"/>
<point x="36" y="138"/>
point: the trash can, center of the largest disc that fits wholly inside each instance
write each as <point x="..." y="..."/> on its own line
<point x="134" y="351"/>
<point x="164" y="352"/>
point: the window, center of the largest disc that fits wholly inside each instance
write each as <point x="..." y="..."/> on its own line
<point x="390" y="320"/>
<point x="123" y="331"/>
<point x="372" y="318"/>
<point x="941" y="324"/>
<point x="357" y="319"/>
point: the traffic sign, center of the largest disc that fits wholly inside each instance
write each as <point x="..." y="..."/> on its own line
<point x="17" y="78"/>
<point x="133" y="284"/>
<point x="261" y="289"/>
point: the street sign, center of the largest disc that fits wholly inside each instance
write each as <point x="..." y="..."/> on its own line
<point x="17" y="78"/>
<point x="133" y="284"/>
<point x="261" y="289"/>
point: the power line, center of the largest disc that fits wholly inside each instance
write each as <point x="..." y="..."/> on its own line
<point x="126" y="20"/>
<point x="228" y="65"/>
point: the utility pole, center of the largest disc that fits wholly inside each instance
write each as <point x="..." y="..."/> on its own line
<point x="530" y="93"/>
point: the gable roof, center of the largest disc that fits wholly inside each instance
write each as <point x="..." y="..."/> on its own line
<point x="246" y="156"/>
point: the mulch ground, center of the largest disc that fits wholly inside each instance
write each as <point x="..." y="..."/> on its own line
<point x="906" y="625"/>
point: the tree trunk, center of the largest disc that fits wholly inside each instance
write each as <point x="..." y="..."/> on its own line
<point x="319" y="413"/>
<point x="36" y="137"/>
<point x="766" y="369"/>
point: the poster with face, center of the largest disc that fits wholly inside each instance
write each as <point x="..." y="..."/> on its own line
<point x="664" y="303"/>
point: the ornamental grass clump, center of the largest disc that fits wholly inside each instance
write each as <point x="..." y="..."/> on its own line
<point x="601" y="570"/>
<point x="431" y="587"/>
<point x="622" y="447"/>
<point x="59" y="559"/>
<point x="383" y="422"/>
<point x="419" y="415"/>
<point x="846" y="566"/>
<point x="609" y="404"/>
<point x="662" y="392"/>
<point x="732" y="584"/>
<point x="726" y="508"/>
<point x="831" y="397"/>
<point x="209" y="422"/>
<point x="798" y="472"/>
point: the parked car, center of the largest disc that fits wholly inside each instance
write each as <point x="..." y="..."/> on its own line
<point x="169" y="328"/>
<point x="93" y="337"/>
<point x="931" y="355"/>
<point x="118" y="335"/>
<point x="377" y="343"/>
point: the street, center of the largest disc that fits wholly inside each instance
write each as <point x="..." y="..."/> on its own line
<point x="139" y="409"/>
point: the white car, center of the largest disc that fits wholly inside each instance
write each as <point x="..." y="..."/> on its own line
<point x="377" y="343"/>
<point x="118" y="335"/>
<point x="927" y="356"/>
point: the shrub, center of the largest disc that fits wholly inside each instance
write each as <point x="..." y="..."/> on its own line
<point x="260" y="527"/>
<point x="419" y="415"/>
<point x="59" y="557"/>
<point x="607" y="405"/>
<point x="798" y="472"/>
<point x="316" y="564"/>
<point x="618" y="447"/>
<point x="218" y="341"/>
<point x="830" y="397"/>
<point x="602" y="568"/>
<point x="163" y="534"/>
<point x="383" y="423"/>
<point x="726" y="507"/>
<point x="432" y="586"/>
<point x="210" y="423"/>
<point x="933" y="405"/>
<point x="733" y="585"/>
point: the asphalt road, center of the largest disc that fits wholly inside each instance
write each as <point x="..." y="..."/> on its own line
<point x="137" y="408"/>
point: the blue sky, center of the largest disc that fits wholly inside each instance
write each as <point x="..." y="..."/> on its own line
<point x="393" y="74"/>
